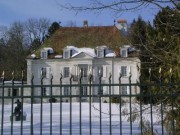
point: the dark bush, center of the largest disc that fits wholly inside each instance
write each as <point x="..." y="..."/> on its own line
<point x="52" y="100"/>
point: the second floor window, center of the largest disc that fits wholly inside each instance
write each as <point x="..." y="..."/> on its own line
<point x="124" y="70"/>
<point x="84" y="72"/>
<point x="43" y="72"/>
<point x="66" y="72"/>
<point x="100" y="71"/>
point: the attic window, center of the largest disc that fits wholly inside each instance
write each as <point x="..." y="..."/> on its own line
<point x="124" y="53"/>
<point x="66" y="54"/>
<point x="44" y="54"/>
<point x="100" y="53"/>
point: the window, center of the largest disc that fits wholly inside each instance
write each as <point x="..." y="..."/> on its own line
<point x="15" y="92"/>
<point x="9" y="92"/>
<point x="44" y="92"/>
<point x="100" y="53"/>
<point x="66" y="91"/>
<point x="44" y="54"/>
<point x="66" y="54"/>
<point x="43" y="72"/>
<point x="123" y="53"/>
<point x="66" y="72"/>
<point x="83" y="90"/>
<point x="124" y="90"/>
<point x="100" y="71"/>
<point x="83" y="71"/>
<point x="124" y="70"/>
<point x="100" y="91"/>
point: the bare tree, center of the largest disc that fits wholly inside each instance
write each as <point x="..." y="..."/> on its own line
<point x="119" y="6"/>
<point x="37" y="28"/>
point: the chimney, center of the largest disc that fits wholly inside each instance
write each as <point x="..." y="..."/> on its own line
<point x="85" y="23"/>
<point x="122" y="26"/>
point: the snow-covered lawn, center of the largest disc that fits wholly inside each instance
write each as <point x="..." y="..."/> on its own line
<point x="85" y="119"/>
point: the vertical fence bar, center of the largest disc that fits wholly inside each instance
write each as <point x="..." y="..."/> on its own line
<point x="2" y="109"/>
<point x="51" y="100"/>
<point x="32" y="98"/>
<point x="22" y="101"/>
<point x="161" y="100"/>
<point x="71" y="104"/>
<point x="141" y="113"/>
<point x="120" y="117"/>
<point x="12" y="103"/>
<point x="172" y="102"/>
<point x="60" y="104"/>
<point x="90" y="100"/>
<point x="80" y="106"/>
<point x="110" y="120"/>
<point x="130" y="103"/>
<point x="100" y="105"/>
<point x="151" y="103"/>
<point x="41" y="102"/>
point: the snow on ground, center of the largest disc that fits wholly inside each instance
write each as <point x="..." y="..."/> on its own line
<point x="85" y="119"/>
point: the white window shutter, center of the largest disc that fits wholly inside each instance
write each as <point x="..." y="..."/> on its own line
<point x="104" y="71"/>
<point x="75" y="73"/>
<point x="129" y="70"/>
<point x="95" y="73"/>
<point x="128" y="90"/>
<point x="48" y="72"/>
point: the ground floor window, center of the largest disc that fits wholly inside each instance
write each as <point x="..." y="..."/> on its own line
<point x="9" y="92"/>
<point x="66" y="91"/>
<point x="83" y="90"/>
<point x="124" y="90"/>
<point x="15" y="92"/>
<point x="44" y="91"/>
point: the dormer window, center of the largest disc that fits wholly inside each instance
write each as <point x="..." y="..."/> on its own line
<point x="100" y="53"/>
<point x="44" y="54"/>
<point x="124" y="53"/>
<point x="66" y="54"/>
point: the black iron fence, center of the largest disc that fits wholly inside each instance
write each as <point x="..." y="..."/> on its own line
<point x="86" y="108"/>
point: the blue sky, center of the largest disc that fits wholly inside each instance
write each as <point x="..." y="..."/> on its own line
<point x="22" y="10"/>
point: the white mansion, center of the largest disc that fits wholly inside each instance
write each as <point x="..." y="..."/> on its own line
<point x="77" y="62"/>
